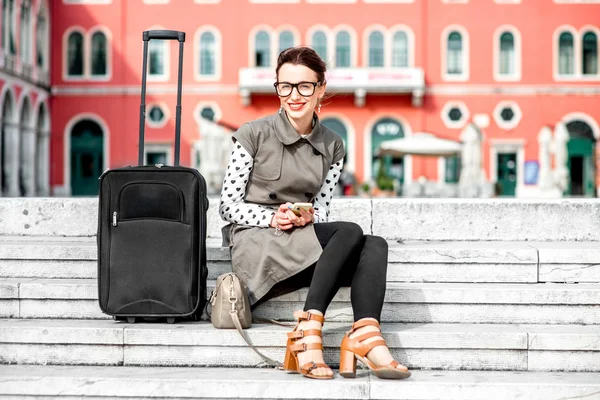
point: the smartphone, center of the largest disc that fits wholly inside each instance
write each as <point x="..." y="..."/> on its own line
<point x="297" y="206"/>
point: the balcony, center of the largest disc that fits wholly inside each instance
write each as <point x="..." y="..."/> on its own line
<point x="359" y="81"/>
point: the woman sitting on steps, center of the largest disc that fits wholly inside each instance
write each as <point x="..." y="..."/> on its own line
<point x="290" y="157"/>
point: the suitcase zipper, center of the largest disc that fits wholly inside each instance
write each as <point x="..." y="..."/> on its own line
<point x="114" y="219"/>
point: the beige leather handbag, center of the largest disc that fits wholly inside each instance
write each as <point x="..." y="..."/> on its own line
<point x="230" y="303"/>
<point x="231" y="309"/>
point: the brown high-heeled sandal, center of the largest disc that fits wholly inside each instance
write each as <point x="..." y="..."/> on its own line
<point x="353" y="349"/>
<point x="290" y="363"/>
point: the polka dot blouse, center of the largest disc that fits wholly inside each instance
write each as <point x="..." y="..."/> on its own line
<point x="234" y="209"/>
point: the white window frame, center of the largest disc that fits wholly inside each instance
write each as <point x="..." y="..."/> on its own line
<point x="556" y="53"/>
<point x="65" y="56"/>
<point x="275" y="48"/>
<point x="26" y="57"/>
<point x="328" y="35"/>
<point x="156" y="1"/>
<point x="507" y="1"/>
<point x="386" y="45"/>
<point x="353" y="45"/>
<point x="507" y="125"/>
<point x="166" y="115"/>
<point x="411" y="44"/>
<point x="464" y="110"/>
<point x="164" y="77"/>
<point x="252" y="44"/>
<point x="455" y="1"/>
<point x="207" y="104"/>
<point x="88" y="54"/>
<point x="42" y="8"/>
<point x="218" y="54"/>
<point x="588" y="77"/>
<point x="166" y="148"/>
<point x="207" y="1"/>
<point x="516" y="76"/>
<point x="464" y="76"/>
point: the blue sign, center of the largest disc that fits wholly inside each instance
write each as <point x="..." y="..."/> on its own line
<point x="532" y="172"/>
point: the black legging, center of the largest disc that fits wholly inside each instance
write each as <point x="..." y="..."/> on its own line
<point x="349" y="258"/>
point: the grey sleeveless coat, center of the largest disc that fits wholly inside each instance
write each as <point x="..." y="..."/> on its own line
<point x="286" y="168"/>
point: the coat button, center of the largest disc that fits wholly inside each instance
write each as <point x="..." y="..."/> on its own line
<point x="272" y="196"/>
<point x="316" y="152"/>
<point x="308" y="195"/>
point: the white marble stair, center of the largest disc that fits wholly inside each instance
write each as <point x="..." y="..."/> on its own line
<point x="419" y="346"/>
<point x="42" y="382"/>
<point x="416" y="261"/>
<point x="541" y="303"/>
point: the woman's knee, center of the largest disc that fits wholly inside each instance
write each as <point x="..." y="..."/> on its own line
<point x="377" y="243"/>
<point x="350" y="230"/>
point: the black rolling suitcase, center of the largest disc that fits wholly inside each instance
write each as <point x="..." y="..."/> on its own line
<point x="152" y="229"/>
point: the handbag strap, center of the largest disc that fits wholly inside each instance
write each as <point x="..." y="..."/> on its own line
<point x="238" y="326"/>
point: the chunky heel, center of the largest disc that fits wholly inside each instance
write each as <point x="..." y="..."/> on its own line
<point x="294" y="347"/>
<point x="289" y="362"/>
<point x="355" y="349"/>
<point x="347" y="364"/>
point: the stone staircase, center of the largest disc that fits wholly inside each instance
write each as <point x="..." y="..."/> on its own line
<point x="495" y="299"/>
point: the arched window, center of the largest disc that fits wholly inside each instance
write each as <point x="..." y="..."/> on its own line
<point x="376" y="49"/>
<point x="8" y="26"/>
<point x="286" y="40"/>
<point x="262" y="46"/>
<point x="207" y="53"/>
<point x="342" y="49"/>
<point x="75" y="54"/>
<point x="400" y="49"/>
<point x="208" y="113"/>
<point x="157" y="50"/>
<point x="319" y="44"/>
<point x="26" y="155"/>
<point x="41" y="36"/>
<point x="5" y="24"/>
<point x="99" y="49"/>
<point x="386" y="129"/>
<point x="25" y="37"/>
<point x="590" y="54"/>
<point x="507" y="54"/>
<point x="565" y="54"/>
<point x="454" y="53"/>
<point x="7" y="124"/>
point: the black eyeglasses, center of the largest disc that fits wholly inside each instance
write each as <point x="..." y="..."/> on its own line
<point x="285" y="89"/>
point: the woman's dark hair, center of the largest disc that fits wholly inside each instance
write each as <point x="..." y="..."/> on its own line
<point x="302" y="55"/>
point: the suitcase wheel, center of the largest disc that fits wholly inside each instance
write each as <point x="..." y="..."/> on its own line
<point x="118" y="318"/>
<point x="170" y="320"/>
<point x="131" y="320"/>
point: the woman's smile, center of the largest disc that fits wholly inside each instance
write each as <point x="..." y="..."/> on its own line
<point x="296" y="106"/>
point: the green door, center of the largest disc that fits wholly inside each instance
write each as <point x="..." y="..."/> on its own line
<point x="582" y="168"/>
<point x="387" y="129"/>
<point x="507" y="174"/>
<point x="87" y="147"/>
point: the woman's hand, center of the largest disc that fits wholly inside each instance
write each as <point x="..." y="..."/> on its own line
<point x="305" y="217"/>
<point x="281" y="218"/>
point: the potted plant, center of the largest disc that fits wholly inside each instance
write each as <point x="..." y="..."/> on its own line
<point x="384" y="182"/>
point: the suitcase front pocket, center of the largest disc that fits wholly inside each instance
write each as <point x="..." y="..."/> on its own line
<point x="150" y="268"/>
<point x="149" y="200"/>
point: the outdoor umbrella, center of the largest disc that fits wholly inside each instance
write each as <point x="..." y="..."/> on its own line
<point x="424" y="144"/>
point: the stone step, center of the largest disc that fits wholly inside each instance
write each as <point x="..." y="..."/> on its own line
<point x="404" y="302"/>
<point x="419" y="346"/>
<point x="35" y="382"/>
<point x="392" y="218"/>
<point x="502" y="262"/>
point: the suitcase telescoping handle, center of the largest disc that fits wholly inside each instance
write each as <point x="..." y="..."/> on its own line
<point x="161" y="35"/>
